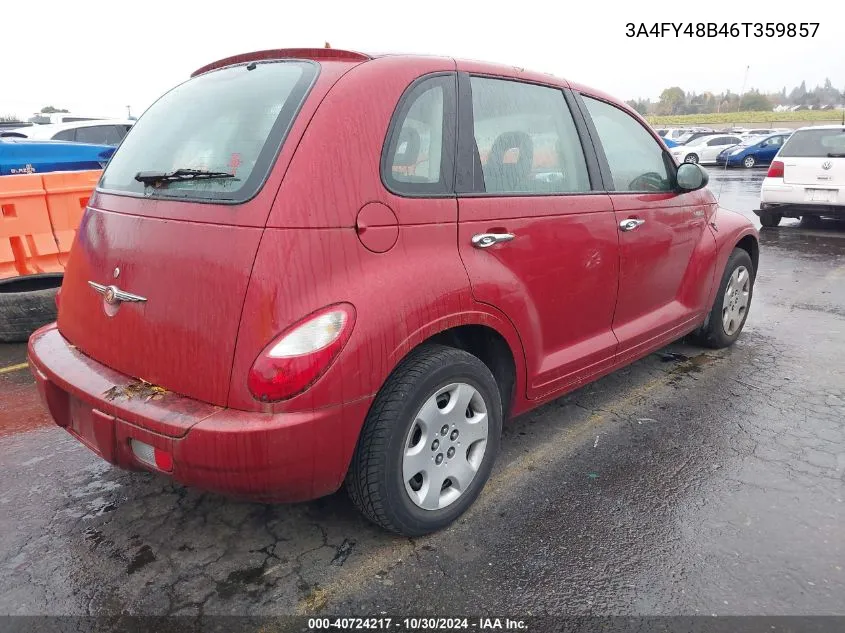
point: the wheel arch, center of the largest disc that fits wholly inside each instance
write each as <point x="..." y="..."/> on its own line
<point x="731" y="230"/>
<point x="749" y="244"/>
<point x="492" y="339"/>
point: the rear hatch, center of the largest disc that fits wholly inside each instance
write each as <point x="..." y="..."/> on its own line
<point x="815" y="158"/>
<point x="176" y="222"/>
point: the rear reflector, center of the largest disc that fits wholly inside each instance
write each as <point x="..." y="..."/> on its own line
<point x="152" y="456"/>
<point x="775" y="170"/>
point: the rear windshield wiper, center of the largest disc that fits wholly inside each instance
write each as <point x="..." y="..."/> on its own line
<point x="836" y="154"/>
<point x="150" y="177"/>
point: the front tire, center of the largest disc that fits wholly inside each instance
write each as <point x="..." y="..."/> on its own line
<point x="428" y="443"/>
<point x="749" y="162"/>
<point x="691" y="158"/>
<point x="730" y="310"/>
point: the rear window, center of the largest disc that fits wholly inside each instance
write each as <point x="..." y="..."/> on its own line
<point x="232" y="120"/>
<point x="815" y="143"/>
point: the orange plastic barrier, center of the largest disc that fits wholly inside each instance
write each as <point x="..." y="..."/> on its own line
<point x="67" y="197"/>
<point x="27" y="244"/>
<point x="39" y="215"/>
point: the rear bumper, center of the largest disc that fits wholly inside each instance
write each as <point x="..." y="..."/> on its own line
<point x="797" y="197"/>
<point x="800" y="210"/>
<point x="262" y="456"/>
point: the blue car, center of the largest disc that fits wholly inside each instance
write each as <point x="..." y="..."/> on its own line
<point x="754" y="152"/>
<point x="25" y="156"/>
<point x="669" y="142"/>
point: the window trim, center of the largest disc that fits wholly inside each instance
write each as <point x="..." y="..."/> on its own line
<point x="607" y="176"/>
<point x="466" y="187"/>
<point x="267" y="157"/>
<point x="445" y="186"/>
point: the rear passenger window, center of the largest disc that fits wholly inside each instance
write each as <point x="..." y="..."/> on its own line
<point x="419" y="154"/>
<point x="64" y="135"/>
<point x="99" y="135"/>
<point x="526" y="139"/>
<point x="637" y="162"/>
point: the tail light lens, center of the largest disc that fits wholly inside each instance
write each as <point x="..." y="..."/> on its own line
<point x="301" y="354"/>
<point x="775" y="169"/>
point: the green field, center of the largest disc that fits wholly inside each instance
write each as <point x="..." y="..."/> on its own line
<point x="747" y="117"/>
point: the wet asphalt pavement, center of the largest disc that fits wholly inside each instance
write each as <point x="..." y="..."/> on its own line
<point x="692" y="482"/>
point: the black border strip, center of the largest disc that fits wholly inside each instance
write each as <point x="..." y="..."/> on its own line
<point x="445" y="187"/>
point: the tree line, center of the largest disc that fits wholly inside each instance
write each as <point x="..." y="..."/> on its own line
<point x="675" y="101"/>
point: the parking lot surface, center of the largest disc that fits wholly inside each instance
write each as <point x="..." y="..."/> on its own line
<point x="692" y="482"/>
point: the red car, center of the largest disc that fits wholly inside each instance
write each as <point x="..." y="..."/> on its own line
<point x="309" y="267"/>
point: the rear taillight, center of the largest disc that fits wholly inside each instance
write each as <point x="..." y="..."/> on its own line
<point x="301" y="354"/>
<point x="775" y="169"/>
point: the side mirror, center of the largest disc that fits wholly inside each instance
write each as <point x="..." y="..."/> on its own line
<point x="691" y="177"/>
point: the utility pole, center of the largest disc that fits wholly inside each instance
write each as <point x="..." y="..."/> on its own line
<point x="742" y="92"/>
<point x="128" y="112"/>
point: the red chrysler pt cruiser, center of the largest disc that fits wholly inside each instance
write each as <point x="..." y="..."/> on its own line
<point x="309" y="267"/>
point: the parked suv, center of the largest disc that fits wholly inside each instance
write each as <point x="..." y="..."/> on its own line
<point x="807" y="177"/>
<point x="305" y="267"/>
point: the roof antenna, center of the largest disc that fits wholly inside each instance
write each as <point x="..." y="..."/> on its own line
<point x="327" y="45"/>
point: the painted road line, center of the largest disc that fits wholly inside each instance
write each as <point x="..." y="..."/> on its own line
<point x="11" y="368"/>
<point x="557" y="446"/>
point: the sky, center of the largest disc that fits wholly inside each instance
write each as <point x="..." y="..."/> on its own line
<point x="94" y="57"/>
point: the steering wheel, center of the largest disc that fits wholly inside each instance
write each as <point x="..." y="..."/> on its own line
<point x="650" y="181"/>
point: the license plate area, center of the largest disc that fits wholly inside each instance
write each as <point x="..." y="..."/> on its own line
<point x="93" y="428"/>
<point x="820" y="195"/>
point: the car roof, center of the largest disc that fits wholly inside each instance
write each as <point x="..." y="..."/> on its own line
<point x="49" y="129"/>
<point x="821" y="127"/>
<point x="701" y="139"/>
<point x="58" y="127"/>
<point x="341" y="55"/>
<point x="469" y="65"/>
<point x="41" y="141"/>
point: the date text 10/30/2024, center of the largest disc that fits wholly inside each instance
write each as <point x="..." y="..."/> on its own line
<point x="724" y="29"/>
<point x="417" y="624"/>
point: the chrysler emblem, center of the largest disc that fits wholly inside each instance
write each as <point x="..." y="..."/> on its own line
<point x="109" y="295"/>
<point x="827" y="164"/>
<point x="113" y="295"/>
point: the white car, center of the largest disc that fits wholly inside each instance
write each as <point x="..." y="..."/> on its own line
<point x="704" y="149"/>
<point x="102" y="132"/>
<point x="677" y="133"/>
<point x="806" y="177"/>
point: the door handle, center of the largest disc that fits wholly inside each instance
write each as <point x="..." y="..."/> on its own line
<point x="630" y="224"/>
<point x="486" y="240"/>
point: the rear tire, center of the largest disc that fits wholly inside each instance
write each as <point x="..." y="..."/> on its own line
<point x="376" y="481"/>
<point x="733" y="301"/>
<point x="24" y="310"/>
<point x="769" y="219"/>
